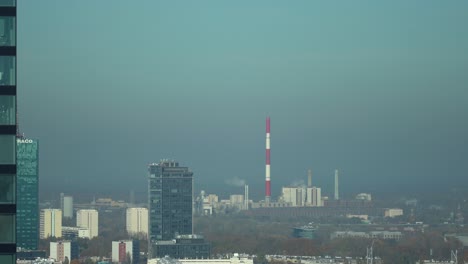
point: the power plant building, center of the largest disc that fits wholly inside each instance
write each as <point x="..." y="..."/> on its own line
<point x="302" y="196"/>
<point x="51" y="223"/>
<point x="27" y="190"/>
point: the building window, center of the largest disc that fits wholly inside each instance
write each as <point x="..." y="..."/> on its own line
<point x="7" y="110"/>
<point x="7" y="189"/>
<point x="8" y="150"/>
<point x="7" y="258"/>
<point x="7" y="31"/>
<point x="7" y="228"/>
<point x="7" y="70"/>
<point x="7" y="2"/>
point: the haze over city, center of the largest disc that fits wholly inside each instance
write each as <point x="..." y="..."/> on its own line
<point x="374" y="89"/>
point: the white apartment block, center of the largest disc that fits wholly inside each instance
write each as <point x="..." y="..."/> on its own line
<point x="50" y="223"/>
<point x="137" y="221"/>
<point x="88" y="218"/>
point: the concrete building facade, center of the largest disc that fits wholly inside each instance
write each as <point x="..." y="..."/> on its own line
<point x="125" y="251"/>
<point x="137" y="221"/>
<point x="393" y="212"/>
<point x="50" y="223"/>
<point x="61" y="250"/>
<point x="72" y="233"/>
<point x="302" y="196"/>
<point x="88" y="218"/>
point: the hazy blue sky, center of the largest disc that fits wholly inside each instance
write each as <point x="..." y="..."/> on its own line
<point x="377" y="89"/>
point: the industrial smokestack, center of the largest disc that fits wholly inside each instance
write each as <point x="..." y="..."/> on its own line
<point x="337" y="195"/>
<point x="267" y="167"/>
<point x="246" y="197"/>
<point x="309" y="181"/>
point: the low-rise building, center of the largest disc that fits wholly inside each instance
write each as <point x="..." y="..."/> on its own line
<point x="307" y="231"/>
<point x="395" y="235"/>
<point x="235" y="259"/>
<point x="364" y="196"/>
<point x="393" y="212"/>
<point x="183" y="246"/>
<point x="71" y="232"/>
<point x="362" y="217"/>
<point x="346" y="234"/>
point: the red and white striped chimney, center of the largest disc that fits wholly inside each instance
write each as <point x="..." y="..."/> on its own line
<point x="267" y="168"/>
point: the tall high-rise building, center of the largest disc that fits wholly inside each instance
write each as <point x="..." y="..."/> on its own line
<point x="8" y="130"/>
<point x="137" y="221"/>
<point x="170" y="200"/>
<point x="51" y="223"/>
<point x="67" y="206"/>
<point x="27" y="193"/>
<point x="88" y="218"/>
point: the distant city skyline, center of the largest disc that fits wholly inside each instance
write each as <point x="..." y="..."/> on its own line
<point x="376" y="89"/>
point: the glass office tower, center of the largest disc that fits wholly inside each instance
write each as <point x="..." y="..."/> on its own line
<point x="27" y="189"/>
<point x="170" y="200"/>
<point x="7" y="131"/>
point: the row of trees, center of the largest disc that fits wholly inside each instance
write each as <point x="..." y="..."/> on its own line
<point x="247" y="235"/>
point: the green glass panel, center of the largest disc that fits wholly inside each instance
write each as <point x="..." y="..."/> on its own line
<point x="27" y="203"/>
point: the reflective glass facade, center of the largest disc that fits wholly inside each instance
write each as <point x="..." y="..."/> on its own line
<point x="170" y="200"/>
<point x="185" y="248"/>
<point x="27" y="198"/>
<point x="7" y="131"/>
